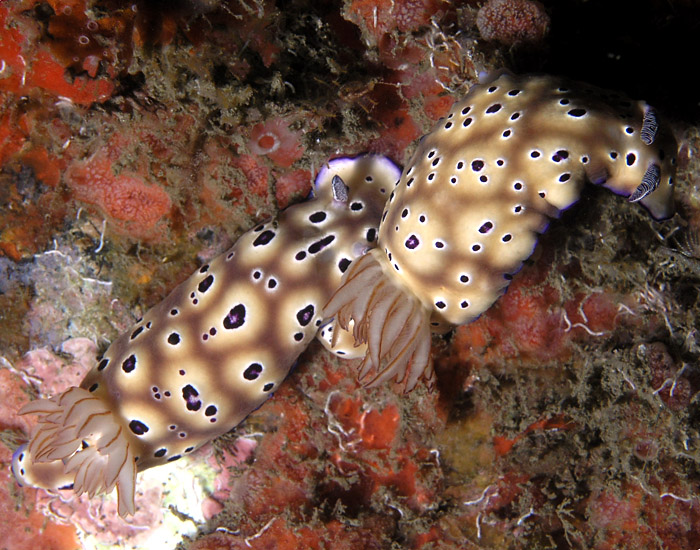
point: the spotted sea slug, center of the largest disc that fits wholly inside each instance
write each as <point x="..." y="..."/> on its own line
<point x="467" y="209"/>
<point x="212" y="351"/>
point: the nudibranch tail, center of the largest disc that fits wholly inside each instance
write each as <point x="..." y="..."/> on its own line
<point x="78" y="441"/>
<point x="392" y="322"/>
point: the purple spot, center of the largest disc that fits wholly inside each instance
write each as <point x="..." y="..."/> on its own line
<point x="138" y="427"/>
<point x="129" y="363"/>
<point x="305" y="315"/>
<point x="190" y="394"/>
<point x="205" y="283"/>
<point x="412" y="242"/>
<point x="486" y="227"/>
<point x="235" y="317"/>
<point x="253" y="371"/>
<point x="264" y="238"/>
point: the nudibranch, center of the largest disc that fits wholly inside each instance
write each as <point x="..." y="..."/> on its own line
<point x="467" y="209"/>
<point x="214" y="349"/>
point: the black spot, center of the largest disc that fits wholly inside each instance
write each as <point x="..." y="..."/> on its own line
<point x="321" y="244"/>
<point x="343" y="264"/>
<point x="453" y="180"/>
<point x="412" y="242"/>
<point x="160" y="452"/>
<point x="492" y="89"/>
<point x="467" y="121"/>
<point x="268" y="386"/>
<point x="500" y="162"/>
<point x="422" y="219"/>
<point x="464" y="304"/>
<point x="466" y="110"/>
<point x="182" y="435"/>
<point x="542" y="194"/>
<point x="431" y="176"/>
<point x="483" y="179"/>
<point x="204" y="285"/>
<point x="189" y="449"/>
<point x="518" y="208"/>
<point x="259" y="228"/>
<point x="613" y="155"/>
<point x="252" y="371"/>
<point x="356" y="206"/>
<point x="515" y="116"/>
<point x="174" y="312"/>
<point x="182" y="372"/>
<point x="477" y="165"/>
<point x="138" y="427"/>
<point x="486" y="227"/>
<point x="410" y="182"/>
<point x="93" y="387"/>
<point x="371" y="235"/>
<point x="190" y="394"/>
<point x="174" y="339"/>
<point x="317" y="217"/>
<point x="565" y="177"/>
<point x="507" y="237"/>
<point x="264" y="238"/>
<point x="299" y="336"/>
<point x="257" y="274"/>
<point x="460" y="165"/>
<point x="493" y="108"/>
<point x="517" y="186"/>
<point x="464" y="279"/>
<point x="369" y="179"/>
<point x="564" y="101"/>
<point x="204" y="268"/>
<point x="440" y="304"/>
<point x="431" y="154"/>
<point x="235" y="317"/>
<point x="560" y="155"/>
<point x="476" y="247"/>
<point x="300" y="256"/>
<point x="210" y="410"/>
<point x="404" y="213"/>
<point x="136" y="332"/>
<point x="129" y="363"/>
<point x="576" y="113"/>
<point x="305" y="315"/>
<point x="514" y="92"/>
<point x="149" y="324"/>
<point x="506" y="133"/>
<point x="103" y="364"/>
<point x="439" y="244"/>
<point x="448" y="126"/>
<point x="272" y="283"/>
<point x="584" y="160"/>
<point x="535" y="154"/>
<point x="630" y="159"/>
<point x="174" y="458"/>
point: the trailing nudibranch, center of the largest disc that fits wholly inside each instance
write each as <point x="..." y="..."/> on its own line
<point x="213" y="350"/>
<point x="470" y="203"/>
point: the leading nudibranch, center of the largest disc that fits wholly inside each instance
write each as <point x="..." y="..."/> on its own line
<point x="469" y="205"/>
<point x="212" y="351"/>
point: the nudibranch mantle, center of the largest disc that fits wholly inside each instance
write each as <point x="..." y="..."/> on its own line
<point x="480" y="187"/>
<point x="214" y="349"/>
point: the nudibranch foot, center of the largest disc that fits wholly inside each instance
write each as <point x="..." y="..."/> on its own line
<point x="393" y="323"/>
<point x="78" y="441"/>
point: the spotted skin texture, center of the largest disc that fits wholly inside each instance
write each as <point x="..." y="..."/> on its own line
<point x="220" y="344"/>
<point x="479" y="189"/>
